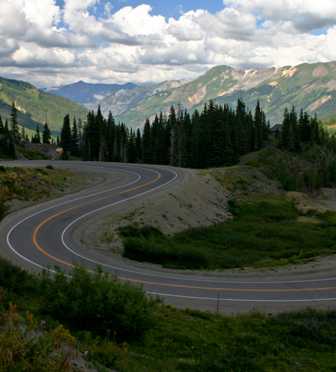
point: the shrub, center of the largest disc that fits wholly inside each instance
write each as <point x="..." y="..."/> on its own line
<point x="97" y="303"/>
<point x="26" y="346"/>
<point x="16" y="281"/>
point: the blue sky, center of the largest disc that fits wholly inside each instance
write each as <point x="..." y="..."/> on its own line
<point x="171" y="8"/>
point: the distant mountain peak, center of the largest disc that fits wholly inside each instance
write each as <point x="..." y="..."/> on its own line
<point x="311" y="87"/>
<point x="87" y="93"/>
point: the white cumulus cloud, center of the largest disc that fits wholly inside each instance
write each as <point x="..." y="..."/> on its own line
<point x="52" y="44"/>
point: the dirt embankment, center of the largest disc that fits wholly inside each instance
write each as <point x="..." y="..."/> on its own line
<point x="21" y="187"/>
<point x="198" y="201"/>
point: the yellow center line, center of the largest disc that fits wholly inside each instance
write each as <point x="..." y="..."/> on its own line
<point x="40" y="248"/>
<point x="211" y="289"/>
<point x="142" y="185"/>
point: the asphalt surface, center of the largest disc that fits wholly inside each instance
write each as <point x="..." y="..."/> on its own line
<point x="42" y="238"/>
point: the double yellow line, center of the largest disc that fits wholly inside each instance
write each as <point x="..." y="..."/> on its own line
<point x="40" y="248"/>
<point x="38" y="228"/>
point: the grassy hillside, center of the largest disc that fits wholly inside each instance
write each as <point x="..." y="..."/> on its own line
<point x="34" y="184"/>
<point x="311" y="87"/>
<point x="35" y="106"/>
<point x="268" y="228"/>
<point x="94" y="322"/>
<point x="67" y="316"/>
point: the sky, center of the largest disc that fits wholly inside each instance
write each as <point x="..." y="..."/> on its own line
<point x="55" y="42"/>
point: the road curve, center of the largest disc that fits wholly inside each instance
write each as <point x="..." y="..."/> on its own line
<point x="41" y="238"/>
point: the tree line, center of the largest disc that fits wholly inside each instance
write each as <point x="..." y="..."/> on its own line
<point x="304" y="135"/>
<point x="11" y="135"/>
<point x="218" y="135"/>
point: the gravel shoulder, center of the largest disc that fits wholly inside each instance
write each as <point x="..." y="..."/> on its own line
<point x="198" y="200"/>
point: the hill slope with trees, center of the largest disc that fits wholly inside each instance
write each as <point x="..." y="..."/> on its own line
<point x="311" y="87"/>
<point x="35" y="106"/>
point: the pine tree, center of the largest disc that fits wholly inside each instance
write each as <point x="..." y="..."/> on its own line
<point x="14" y="124"/>
<point x="46" y="135"/>
<point x="147" y="143"/>
<point x="138" y="146"/>
<point x="259" y="127"/>
<point x="110" y="137"/>
<point x="66" y="140"/>
<point x="74" y="139"/>
<point x="37" y="136"/>
<point x="172" y="122"/>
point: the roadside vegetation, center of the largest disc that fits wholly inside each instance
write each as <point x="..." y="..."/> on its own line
<point x="267" y="228"/>
<point x="95" y="321"/>
<point x="265" y="231"/>
<point x="33" y="184"/>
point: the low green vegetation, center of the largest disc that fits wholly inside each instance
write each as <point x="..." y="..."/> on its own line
<point x="31" y="183"/>
<point x="306" y="171"/>
<point x="34" y="104"/>
<point x="110" y="325"/>
<point x="31" y="154"/>
<point x="96" y="307"/>
<point x="25" y="345"/>
<point x="265" y="231"/>
<point x="34" y="184"/>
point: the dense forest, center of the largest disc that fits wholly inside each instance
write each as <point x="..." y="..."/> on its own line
<point x="12" y="137"/>
<point x="217" y="136"/>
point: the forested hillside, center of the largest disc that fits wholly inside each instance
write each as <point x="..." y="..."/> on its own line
<point x="311" y="87"/>
<point x="35" y="106"/>
<point x="216" y="136"/>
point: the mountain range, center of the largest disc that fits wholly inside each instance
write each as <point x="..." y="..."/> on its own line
<point x="89" y="94"/>
<point x="311" y="87"/>
<point x="35" y="107"/>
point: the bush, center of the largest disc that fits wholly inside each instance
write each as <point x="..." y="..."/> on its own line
<point x="97" y="303"/>
<point x="17" y="281"/>
<point x="266" y="231"/>
<point x="26" y="346"/>
<point x="3" y="209"/>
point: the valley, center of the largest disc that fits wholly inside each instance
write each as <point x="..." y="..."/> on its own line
<point x="311" y="87"/>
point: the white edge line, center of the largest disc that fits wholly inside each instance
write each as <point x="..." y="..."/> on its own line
<point x="148" y="292"/>
<point x="223" y="299"/>
<point x="200" y="280"/>
<point x="139" y="177"/>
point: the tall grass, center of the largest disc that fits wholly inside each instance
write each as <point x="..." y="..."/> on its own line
<point x="265" y="232"/>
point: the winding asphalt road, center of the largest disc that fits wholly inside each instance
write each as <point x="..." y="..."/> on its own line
<point x="42" y="237"/>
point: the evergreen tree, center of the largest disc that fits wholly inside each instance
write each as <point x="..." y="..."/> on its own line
<point x="66" y="138"/>
<point x="14" y="124"/>
<point x="74" y="139"/>
<point x="46" y="135"/>
<point x="217" y="136"/>
<point x="138" y="146"/>
<point x="147" y="143"/>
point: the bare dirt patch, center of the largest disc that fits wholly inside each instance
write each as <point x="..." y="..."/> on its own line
<point x="320" y="72"/>
<point x="319" y="103"/>
<point x="198" y="201"/>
